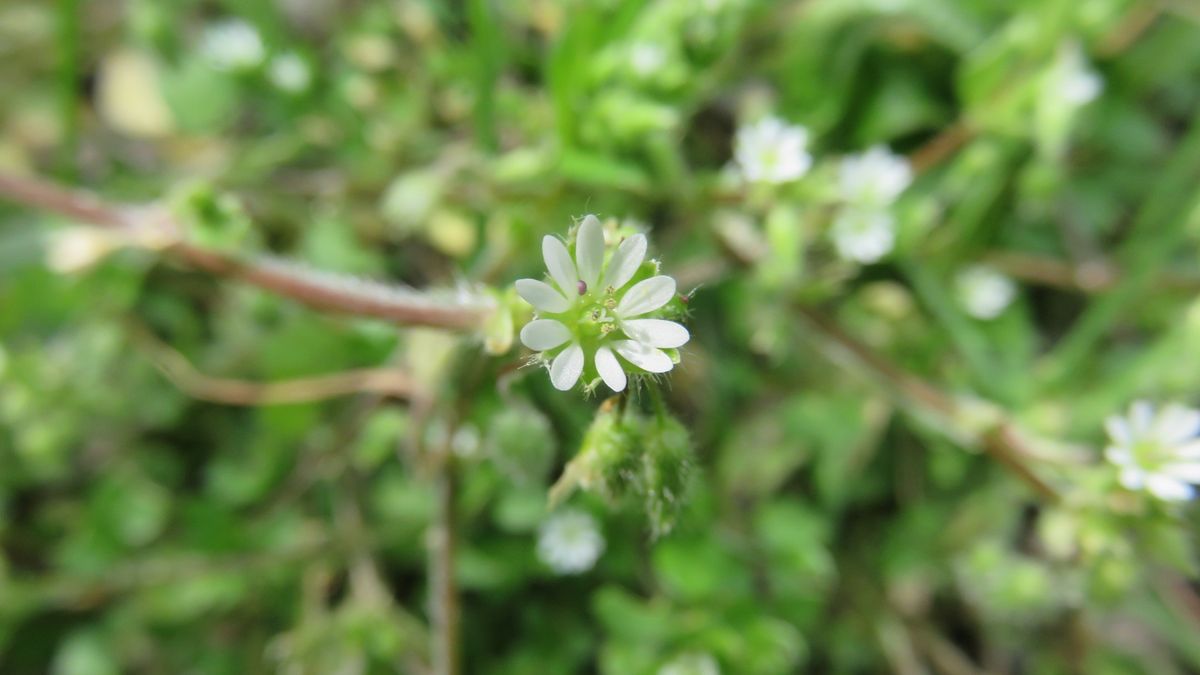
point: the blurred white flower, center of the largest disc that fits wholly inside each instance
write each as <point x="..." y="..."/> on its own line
<point x="863" y="235"/>
<point x="983" y="292"/>
<point x="873" y="179"/>
<point x="593" y="313"/>
<point x="233" y="44"/>
<point x="646" y="58"/>
<point x="691" y="663"/>
<point x="1073" y="79"/>
<point x="290" y="73"/>
<point x="570" y="542"/>
<point x="1159" y="453"/>
<point x="77" y="248"/>
<point x="772" y="151"/>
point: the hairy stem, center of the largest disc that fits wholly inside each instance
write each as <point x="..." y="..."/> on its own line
<point x="315" y="288"/>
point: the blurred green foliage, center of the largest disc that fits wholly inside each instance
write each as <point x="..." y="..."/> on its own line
<point x="831" y="524"/>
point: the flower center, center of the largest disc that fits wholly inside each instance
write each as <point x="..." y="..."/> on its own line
<point x="1149" y="453"/>
<point x="592" y="318"/>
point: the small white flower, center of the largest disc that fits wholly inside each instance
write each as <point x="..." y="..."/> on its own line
<point x="570" y="542"/>
<point x="691" y="663"/>
<point x="863" y="235"/>
<point x="75" y="249"/>
<point x="646" y="58"/>
<point x="873" y="179"/>
<point x="1159" y="452"/>
<point x="233" y="44"/>
<point x="593" y="314"/>
<point x="1073" y="79"/>
<point x="290" y="73"/>
<point x="984" y="292"/>
<point x="772" y="151"/>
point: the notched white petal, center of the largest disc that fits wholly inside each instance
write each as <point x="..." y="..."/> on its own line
<point x="610" y="369"/>
<point x="558" y="262"/>
<point x="1118" y="430"/>
<point x="1185" y="471"/>
<point x="643" y="356"/>
<point x="656" y="332"/>
<point x="625" y="261"/>
<point x="1167" y="488"/>
<point x="544" y="334"/>
<point x="566" y="368"/>
<point x="646" y="296"/>
<point x="589" y="250"/>
<point x="542" y="296"/>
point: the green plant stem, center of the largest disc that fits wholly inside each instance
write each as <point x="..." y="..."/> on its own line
<point x="445" y="612"/>
<point x="67" y="30"/>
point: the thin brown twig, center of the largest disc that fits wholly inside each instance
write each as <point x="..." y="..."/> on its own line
<point x="320" y="290"/>
<point x="1092" y="277"/>
<point x="176" y="368"/>
<point x="1002" y="442"/>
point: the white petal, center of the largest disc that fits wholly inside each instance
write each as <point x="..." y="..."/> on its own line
<point x="646" y="296"/>
<point x="1185" y="471"/>
<point x="1177" y="424"/>
<point x="566" y="368"/>
<point x="542" y="296"/>
<point x="1141" y="416"/>
<point x="625" y="262"/>
<point x="1168" y="488"/>
<point x="656" y="332"/>
<point x="1190" y="450"/>
<point x="544" y="334"/>
<point x="643" y="356"/>
<point x="610" y="369"/>
<point x="558" y="261"/>
<point x="589" y="250"/>
<point x="1118" y="430"/>
<point x="1133" y="477"/>
<point x="1119" y="455"/>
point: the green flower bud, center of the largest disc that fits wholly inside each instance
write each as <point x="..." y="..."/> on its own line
<point x="666" y="467"/>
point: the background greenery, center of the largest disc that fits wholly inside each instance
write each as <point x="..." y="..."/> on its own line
<point x="836" y="520"/>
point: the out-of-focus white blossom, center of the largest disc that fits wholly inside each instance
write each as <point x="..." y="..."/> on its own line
<point x="772" y="151"/>
<point x="77" y="248"/>
<point x="1156" y="451"/>
<point x="290" y="73"/>
<point x="233" y="44"/>
<point x="570" y="542"/>
<point x="873" y="179"/>
<point x="646" y="58"/>
<point x="863" y="235"/>
<point x="868" y="183"/>
<point x="1072" y="78"/>
<point x="983" y="292"/>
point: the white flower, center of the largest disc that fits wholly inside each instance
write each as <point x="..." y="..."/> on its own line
<point x="75" y="249"/>
<point x="691" y="663"/>
<point x="593" y="314"/>
<point x="1159" y="452"/>
<point x="863" y="235"/>
<point x="1072" y="80"/>
<point x="874" y="178"/>
<point x="233" y="44"/>
<point x="569" y="542"/>
<point x="289" y="73"/>
<point x="984" y="292"/>
<point x="646" y="58"/>
<point x="772" y="151"/>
